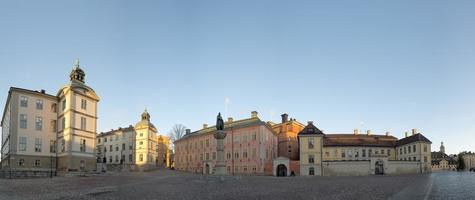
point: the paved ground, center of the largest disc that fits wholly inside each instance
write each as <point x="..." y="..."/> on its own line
<point x="179" y="185"/>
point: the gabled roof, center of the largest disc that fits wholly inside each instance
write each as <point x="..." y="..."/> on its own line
<point x="310" y="129"/>
<point x="413" y="138"/>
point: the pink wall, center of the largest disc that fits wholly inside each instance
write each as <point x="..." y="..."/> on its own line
<point x="264" y="145"/>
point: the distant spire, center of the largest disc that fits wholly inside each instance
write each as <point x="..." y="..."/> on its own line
<point x="77" y="63"/>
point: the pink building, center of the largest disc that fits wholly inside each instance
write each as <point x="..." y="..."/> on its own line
<point x="249" y="147"/>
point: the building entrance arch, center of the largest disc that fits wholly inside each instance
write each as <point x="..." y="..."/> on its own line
<point x="281" y="170"/>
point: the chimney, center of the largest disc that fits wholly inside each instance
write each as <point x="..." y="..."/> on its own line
<point x="188" y="131"/>
<point x="254" y="114"/>
<point x="310" y="122"/>
<point x="368" y="132"/>
<point x="230" y="120"/>
<point x="356" y="131"/>
<point x="205" y="126"/>
<point x="414" y="131"/>
<point x="285" y="117"/>
<point x="387" y="133"/>
<point x="406" y="133"/>
<point x="43" y="91"/>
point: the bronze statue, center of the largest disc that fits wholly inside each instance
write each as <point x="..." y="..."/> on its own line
<point x="219" y="123"/>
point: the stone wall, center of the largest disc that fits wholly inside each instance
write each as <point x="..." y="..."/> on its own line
<point x="346" y="168"/>
<point x="403" y="167"/>
<point x="16" y="173"/>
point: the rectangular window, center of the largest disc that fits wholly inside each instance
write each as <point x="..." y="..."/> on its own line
<point x="425" y="159"/>
<point x="141" y="157"/>
<point x="414" y="158"/>
<point x="83" y="123"/>
<point x="311" y="143"/>
<point x="244" y="154"/>
<point x="414" y="148"/>
<point x="363" y="153"/>
<point x="63" y="123"/>
<point x="123" y="147"/>
<point x="382" y="151"/>
<point x="37" y="163"/>
<point x="37" y="144"/>
<point x="130" y="157"/>
<point x="400" y="151"/>
<point x="110" y="159"/>
<point x="23" y="121"/>
<point x="53" y="107"/>
<point x="82" y="145"/>
<point x="63" y="104"/>
<point x="21" y="162"/>
<point x="343" y="154"/>
<point x="53" y="126"/>
<point x="23" y="101"/>
<point x="207" y="142"/>
<point x="83" y="104"/>
<point x="253" y="136"/>
<point x="389" y="152"/>
<point x="105" y="139"/>
<point x="405" y="150"/>
<point x="357" y="153"/>
<point x="63" y="145"/>
<point x="409" y="149"/>
<point x="236" y="155"/>
<point x="39" y="123"/>
<point x="214" y="155"/>
<point x="425" y="148"/>
<point x="39" y="104"/>
<point x="110" y="148"/>
<point x="52" y="146"/>
<point x="22" y="146"/>
<point x="116" y="158"/>
<point x="311" y="159"/>
<point x="254" y="154"/>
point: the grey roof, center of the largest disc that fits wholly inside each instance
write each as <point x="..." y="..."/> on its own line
<point x="413" y="138"/>
<point x="111" y="132"/>
<point x="233" y="125"/>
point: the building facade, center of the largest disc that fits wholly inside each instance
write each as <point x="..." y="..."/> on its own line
<point x="250" y="147"/>
<point x="361" y="154"/>
<point x="443" y="162"/>
<point x="287" y="132"/>
<point x="48" y="132"/>
<point x="136" y="146"/>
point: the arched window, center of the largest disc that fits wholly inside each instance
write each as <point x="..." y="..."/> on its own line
<point x="311" y="171"/>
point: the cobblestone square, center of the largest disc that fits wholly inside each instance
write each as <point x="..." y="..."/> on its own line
<point x="165" y="184"/>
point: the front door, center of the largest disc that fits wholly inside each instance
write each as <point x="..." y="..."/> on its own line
<point x="379" y="168"/>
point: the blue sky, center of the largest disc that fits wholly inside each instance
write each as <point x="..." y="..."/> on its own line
<point x="379" y="65"/>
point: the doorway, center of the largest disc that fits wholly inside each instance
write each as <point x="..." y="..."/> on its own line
<point x="379" y="168"/>
<point x="281" y="170"/>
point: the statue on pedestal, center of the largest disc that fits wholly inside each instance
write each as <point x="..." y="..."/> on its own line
<point x="219" y="123"/>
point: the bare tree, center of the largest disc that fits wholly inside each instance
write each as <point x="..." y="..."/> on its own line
<point x="177" y="132"/>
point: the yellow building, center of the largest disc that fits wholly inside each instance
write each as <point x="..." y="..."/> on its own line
<point x="136" y="147"/>
<point x="39" y="129"/>
<point x="362" y="154"/>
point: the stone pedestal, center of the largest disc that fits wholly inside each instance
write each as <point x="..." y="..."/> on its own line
<point x="220" y="168"/>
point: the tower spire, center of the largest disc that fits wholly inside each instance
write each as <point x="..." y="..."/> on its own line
<point x="77" y="73"/>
